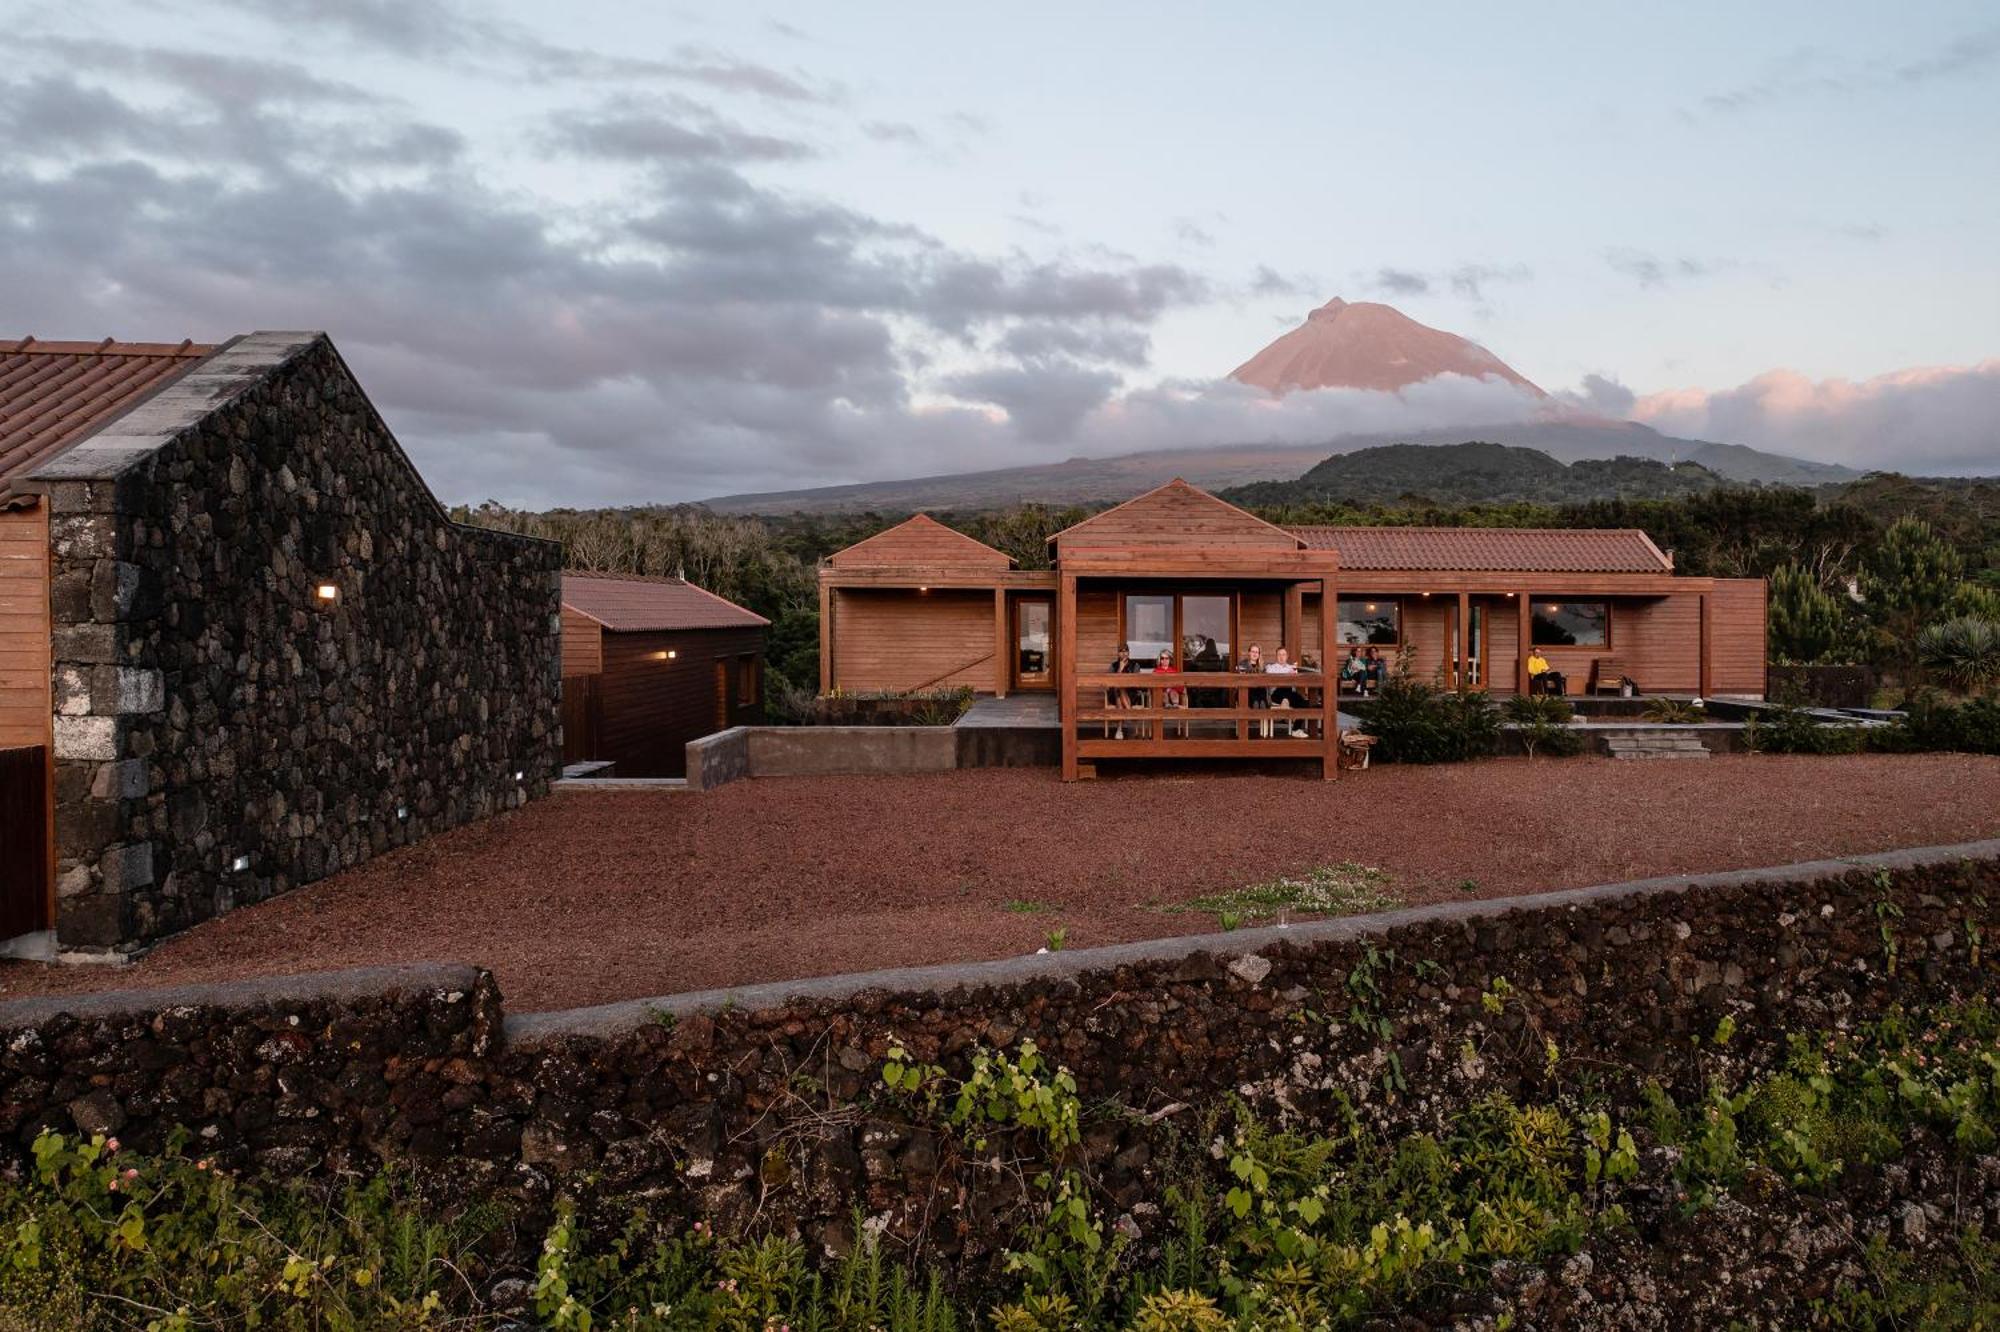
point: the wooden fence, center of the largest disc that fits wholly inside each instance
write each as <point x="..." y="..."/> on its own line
<point x="24" y="847"/>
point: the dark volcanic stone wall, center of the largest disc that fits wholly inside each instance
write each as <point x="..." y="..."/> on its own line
<point x="766" y="1101"/>
<point x="213" y="710"/>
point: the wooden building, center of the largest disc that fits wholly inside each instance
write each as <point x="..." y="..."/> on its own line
<point x="651" y="663"/>
<point x="1178" y="571"/>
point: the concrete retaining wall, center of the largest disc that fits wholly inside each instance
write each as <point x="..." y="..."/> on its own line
<point x="716" y="760"/>
<point x="823" y="751"/>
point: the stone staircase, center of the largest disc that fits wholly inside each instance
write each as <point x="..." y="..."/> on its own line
<point x="1656" y="747"/>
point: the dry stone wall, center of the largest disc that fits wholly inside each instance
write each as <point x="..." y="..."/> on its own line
<point x="765" y="1102"/>
<point x="223" y="732"/>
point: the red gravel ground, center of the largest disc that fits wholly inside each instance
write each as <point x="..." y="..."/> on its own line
<point x="588" y="897"/>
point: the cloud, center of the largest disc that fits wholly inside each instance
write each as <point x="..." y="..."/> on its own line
<point x="1044" y="339"/>
<point x="1936" y="419"/>
<point x="1651" y="270"/>
<point x="1601" y="395"/>
<point x="1468" y="280"/>
<point x="1044" y="402"/>
<point x="634" y="129"/>
<point x="1808" y="72"/>
<point x="1190" y="232"/>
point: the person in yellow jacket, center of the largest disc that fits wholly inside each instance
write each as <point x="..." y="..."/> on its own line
<point x="1537" y="663"/>
<point x="1539" y="679"/>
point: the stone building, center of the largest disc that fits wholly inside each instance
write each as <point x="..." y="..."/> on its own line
<point x="241" y="644"/>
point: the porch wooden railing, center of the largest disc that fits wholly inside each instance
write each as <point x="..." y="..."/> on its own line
<point x="1150" y="730"/>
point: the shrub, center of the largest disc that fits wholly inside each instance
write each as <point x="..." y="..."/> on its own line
<point x="1672" y="712"/>
<point x="1931" y="722"/>
<point x="1964" y="652"/>
<point x="1542" y="721"/>
<point x="1807" y="623"/>
<point x="1416" y="722"/>
<point x="1790" y="730"/>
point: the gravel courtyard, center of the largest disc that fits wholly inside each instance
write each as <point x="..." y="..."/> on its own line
<point x="592" y="896"/>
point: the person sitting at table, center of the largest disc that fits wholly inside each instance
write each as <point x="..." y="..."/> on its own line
<point x="1122" y="664"/>
<point x="1253" y="664"/>
<point x="1284" y="696"/>
<point x="1352" y="669"/>
<point x="1373" y="671"/>
<point x="1169" y="698"/>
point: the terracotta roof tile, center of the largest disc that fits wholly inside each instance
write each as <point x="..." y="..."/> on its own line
<point x="53" y="394"/>
<point x="1508" y="549"/>
<point x="629" y="603"/>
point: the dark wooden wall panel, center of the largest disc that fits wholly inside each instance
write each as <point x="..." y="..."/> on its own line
<point x="649" y="707"/>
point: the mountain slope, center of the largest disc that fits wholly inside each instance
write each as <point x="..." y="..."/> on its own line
<point x="1092" y="480"/>
<point x="1364" y="345"/>
<point x="1476" y="473"/>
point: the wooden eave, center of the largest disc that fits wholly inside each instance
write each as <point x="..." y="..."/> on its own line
<point x="959" y="576"/>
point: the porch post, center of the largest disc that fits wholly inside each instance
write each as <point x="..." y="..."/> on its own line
<point x="1464" y="646"/>
<point x="1294" y="616"/>
<point x="1000" y="645"/>
<point x="1521" y="681"/>
<point x="1707" y="647"/>
<point x="1329" y="726"/>
<point x="825" y="635"/>
<point x="1066" y="672"/>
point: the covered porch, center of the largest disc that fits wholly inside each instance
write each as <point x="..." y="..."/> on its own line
<point x="1188" y="618"/>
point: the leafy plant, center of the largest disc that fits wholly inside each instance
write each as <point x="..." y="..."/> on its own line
<point x="1807" y="623"/>
<point x="1672" y="712"/>
<point x="1543" y="721"/>
<point x="1963" y="652"/>
<point x="1416" y="722"/>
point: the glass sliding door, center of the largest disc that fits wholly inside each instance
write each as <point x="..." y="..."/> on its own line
<point x="1149" y="627"/>
<point x="1034" y="659"/>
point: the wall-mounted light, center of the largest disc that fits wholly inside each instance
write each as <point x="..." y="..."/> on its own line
<point x="923" y="589"/>
<point x="239" y="864"/>
<point x="327" y="592"/>
<point x="402" y="811"/>
<point x="518" y="775"/>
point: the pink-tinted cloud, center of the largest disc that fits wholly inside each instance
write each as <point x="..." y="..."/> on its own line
<point x="1928" y="419"/>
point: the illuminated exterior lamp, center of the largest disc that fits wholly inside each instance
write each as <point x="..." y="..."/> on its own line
<point x="327" y="592"/>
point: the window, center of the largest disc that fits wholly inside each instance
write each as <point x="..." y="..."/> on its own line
<point x="1205" y="633"/>
<point x="1149" y="627"/>
<point x="1378" y="622"/>
<point x="1571" y="624"/>
<point x="746" y="681"/>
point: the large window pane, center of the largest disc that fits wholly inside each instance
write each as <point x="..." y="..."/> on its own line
<point x="1379" y="621"/>
<point x="1571" y="623"/>
<point x="1149" y="627"/>
<point x="1205" y="633"/>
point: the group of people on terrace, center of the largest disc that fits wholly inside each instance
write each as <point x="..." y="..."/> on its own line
<point x="1364" y="672"/>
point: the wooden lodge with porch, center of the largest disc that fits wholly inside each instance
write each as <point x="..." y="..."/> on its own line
<point x="1179" y="572"/>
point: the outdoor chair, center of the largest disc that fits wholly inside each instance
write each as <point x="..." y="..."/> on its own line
<point x="1608" y="674"/>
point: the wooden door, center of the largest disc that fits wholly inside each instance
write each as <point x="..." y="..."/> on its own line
<point x="24" y="847"/>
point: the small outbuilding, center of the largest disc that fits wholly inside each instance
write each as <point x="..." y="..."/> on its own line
<point x="651" y="663"/>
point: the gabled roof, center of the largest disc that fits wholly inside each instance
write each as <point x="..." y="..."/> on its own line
<point x="628" y="603"/>
<point x="921" y="540"/>
<point x="54" y="394"/>
<point x="1175" y="514"/>
<point x="1491" y="549"/>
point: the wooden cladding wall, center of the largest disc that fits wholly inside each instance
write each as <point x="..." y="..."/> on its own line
<point x="582" y="644"/>
<point x="905" y="639"/>
<point x="1736" y="634"/>
<point x="1659" y="641"/>
<point x="24" y="627"/>
<point x="649" y="706"/>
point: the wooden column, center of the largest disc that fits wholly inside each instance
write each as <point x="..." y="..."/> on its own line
<point x="1294" y="618"/>
<point x="825" y="636"/>
<point x="1330" y="693"/>
<point x="1464" y="642"/>
<point x="1707" y="647"/>
<point x="1002" y="649"/>
<point x="1521" y="682"/>
<point x="1066" y="672"/>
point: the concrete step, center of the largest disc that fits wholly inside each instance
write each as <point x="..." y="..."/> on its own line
<point x="1659" y="753"/>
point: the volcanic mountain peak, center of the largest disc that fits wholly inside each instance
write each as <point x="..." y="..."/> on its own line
<point x="1366" y="345"/>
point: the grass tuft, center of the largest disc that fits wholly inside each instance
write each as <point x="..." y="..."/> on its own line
<point x="1346" y="889"/>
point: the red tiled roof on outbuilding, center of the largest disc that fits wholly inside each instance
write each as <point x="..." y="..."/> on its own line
<point x="53" y="394"/>
<point x="631" y="603"/>
<point x="1495" y="549"/>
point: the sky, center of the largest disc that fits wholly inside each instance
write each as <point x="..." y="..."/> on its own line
<point x="620" y="253"/>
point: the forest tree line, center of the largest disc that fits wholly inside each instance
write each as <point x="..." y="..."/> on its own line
<point x="1858" y="569"/>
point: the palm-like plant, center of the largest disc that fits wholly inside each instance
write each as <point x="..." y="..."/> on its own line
<point x="1964" y="652"/>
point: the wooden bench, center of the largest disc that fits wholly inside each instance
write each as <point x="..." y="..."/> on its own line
<point x="1608" y="673"/>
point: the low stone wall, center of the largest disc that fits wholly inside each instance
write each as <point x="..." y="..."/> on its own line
<point x="719" y="759"/>
<point x="765" y="1101"/>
